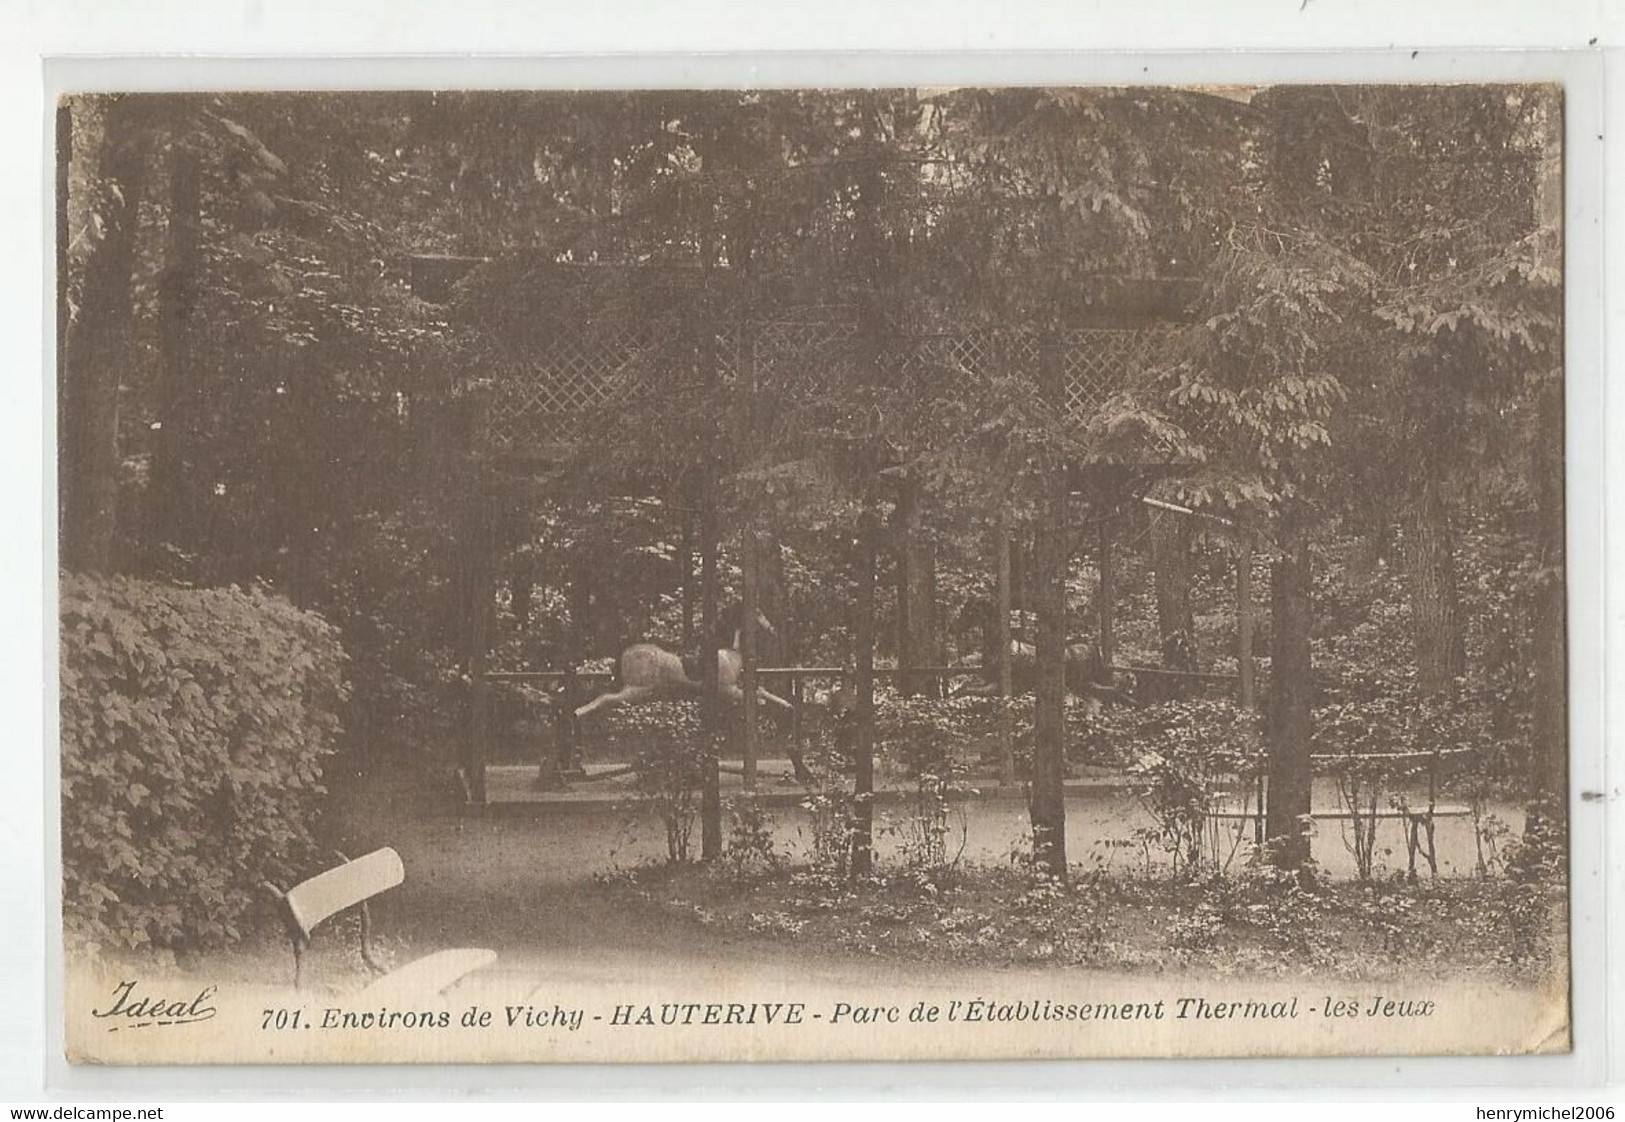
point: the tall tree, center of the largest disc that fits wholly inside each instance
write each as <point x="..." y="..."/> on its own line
<point x="105" y="167"/>
<point x="1549" y="769"/>
<point x="1291" y="726"/>
<point x="170" y="516"/>
<point x="1051" y="200"/>
<point x="1259" y="387"/>
<point x="1431" y="190"/>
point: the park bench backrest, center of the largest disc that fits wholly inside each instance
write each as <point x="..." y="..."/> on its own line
<point x="354" y="882"/>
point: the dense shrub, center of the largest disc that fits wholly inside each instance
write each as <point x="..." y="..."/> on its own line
<point x="929" y="740"/>
<point x="670" y="767"/>
<point x="194" y="725"/>
<point x="1189" y="756"/>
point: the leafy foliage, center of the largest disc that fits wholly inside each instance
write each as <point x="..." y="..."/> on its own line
<point x="1258" y="921"/>
<point x="1191" y="755"/>
<point x="194" y="729"/>
<point x="669" y="773"/>
<point x="928" y="738"/>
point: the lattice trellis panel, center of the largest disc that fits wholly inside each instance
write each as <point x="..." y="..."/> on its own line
<point x="1097" y="362"/>
<point x="573" y="376"/>
<point x="813" y="355"/>
<point x="968" y="354"/>
<point x="579" y="374"/>
<point x="730" y="356"/>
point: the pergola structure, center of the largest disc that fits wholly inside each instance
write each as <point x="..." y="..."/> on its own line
<point x="579" y="348"/>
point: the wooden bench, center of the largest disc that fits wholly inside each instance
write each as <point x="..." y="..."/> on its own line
<point x="1417" y="824"/>
<point x="1231" y="813"/>
<point x="351" y="884"/>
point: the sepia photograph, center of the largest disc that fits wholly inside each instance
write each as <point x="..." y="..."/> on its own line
<point x="812" y="574"/>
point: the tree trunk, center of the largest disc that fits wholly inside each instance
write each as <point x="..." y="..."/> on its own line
<point x="98" y="353"/>
<point x="863" y="808"/>
<point x="1291" y="696"/>
<point x="927" y="644"/>
<point x="1246" y="685"/>
<point x="1441" y="653"/>
<point x="775" y="597"/>
<point x="171" y="489"/>
<point x="1171" y="559"/>
<point x="1247" y="690"/>
<point x="1000" y="651"/>
<point x="873" y="274"/>
<point x="1021" y="575"/>
<point x="685" y="565"/>
<point x="477" y="564"/>
<point x="1049" y="713"/>
<point x="522" y="578"/>
<point x="904" y="523"/>
<point x="1106" y="595"/>
<point x="1549" y="762"/>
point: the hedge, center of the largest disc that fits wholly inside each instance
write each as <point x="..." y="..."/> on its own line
<point x="194" y="727"/>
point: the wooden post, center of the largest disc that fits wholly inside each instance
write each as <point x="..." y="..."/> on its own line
<point x="1049" y="715"/>
<point x="580" y="638"/>
<point x="798" y="736"/>
<point x="1106" y="598"/>
<point x="1007" y="740"/>
<point x="710" y="702"/>
<point x="788" y="648"/>
<point x="1247" y="691"/>
<point x="552" y="774"/>
<point x="750" y="559"/>
<point x="863" y="788"/>
<point x="554" y="771"/>
<point x="478" y="547"/>
<point x="750" y="594"/>
<point x="1050" y="557"/>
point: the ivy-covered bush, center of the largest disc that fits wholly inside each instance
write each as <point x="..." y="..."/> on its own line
<point x="194" y="726"/>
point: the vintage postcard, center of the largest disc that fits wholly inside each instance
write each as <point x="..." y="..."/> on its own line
<point x="812" y="574"/>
